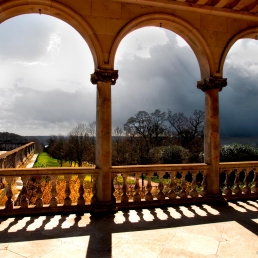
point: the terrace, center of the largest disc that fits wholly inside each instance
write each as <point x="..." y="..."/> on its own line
<point x="151" y="216"/>
<point x="173" y="215"/>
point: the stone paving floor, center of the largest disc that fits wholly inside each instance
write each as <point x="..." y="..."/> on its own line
<point x="32" y="161"/>
<point x="184" y="231"/>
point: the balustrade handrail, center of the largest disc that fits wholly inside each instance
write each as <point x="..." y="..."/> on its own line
<point x="237" y="165"/>
<point x="159" y="167"/>
<point x="4" y="155"/>
<point x="12" y="172"/>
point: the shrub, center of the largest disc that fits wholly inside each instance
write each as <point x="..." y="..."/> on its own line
<point x="169" y="155"/>
<point x="238" y="152"/>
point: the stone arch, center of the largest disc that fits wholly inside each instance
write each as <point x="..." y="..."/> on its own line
<point x="247" y="33"/>
<point x="180" y="27"/>
<point x="11" y="9"/>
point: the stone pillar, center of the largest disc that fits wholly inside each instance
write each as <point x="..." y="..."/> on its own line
<point x="211" y="86"/>
<point x="104" y="79"/>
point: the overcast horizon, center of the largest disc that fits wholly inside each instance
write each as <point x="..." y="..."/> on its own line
<point x="45" y="87"/>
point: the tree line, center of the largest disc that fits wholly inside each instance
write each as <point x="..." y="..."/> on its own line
<point x="159" y="137"/>
<point x="77" y="147"/>
<point x="146" y="138"/>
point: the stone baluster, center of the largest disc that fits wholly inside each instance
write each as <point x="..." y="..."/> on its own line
<point x="113" y="187"/>
<point x="237" y="189"/>
<point x="53" y="201"/>
<point x="204" y="191"/>
<point x="130" y="192"/>
<point x="137" y="196"/>
<point x="182" y="192"/>
<point x="67" y="199"/>
<point x="94" y="189"/>
<point x="81" y="200"/>
<point x="227" y="189"/>
<point x="124" y="197"/>
<point x="161" y="196"/>
<point x="246" y="189"/>
<point x="193" y="192"/>
<point x="255" y="186"/>
<point x="39" y="193"/>
<point x="24" y="193"/>
<point x="9" y="193"/>
<point x="143" y="189"/>
<point x="149" y="196"/>
<point x="172" y="187"/>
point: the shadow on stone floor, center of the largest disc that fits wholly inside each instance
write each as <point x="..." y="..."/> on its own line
<point x="99" y="230"/>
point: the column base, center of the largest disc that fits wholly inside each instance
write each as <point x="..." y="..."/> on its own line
<point x="103" y="208"/>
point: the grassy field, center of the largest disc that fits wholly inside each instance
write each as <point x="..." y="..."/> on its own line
<point x="44" y="160"/>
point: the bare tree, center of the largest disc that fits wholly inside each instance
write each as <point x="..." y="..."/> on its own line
<point x="79" y="142"/>
<point x="57" y="148"/>
<point x="149" y="126"/>
<point x="188" y="131"/>
<point x="91" y="130"/>
<point x="119" y="148"/>
<point x="145" y="131"/>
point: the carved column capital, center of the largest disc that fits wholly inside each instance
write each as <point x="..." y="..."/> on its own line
<point x="212" y="83"/>
<point x="101" y="75"/>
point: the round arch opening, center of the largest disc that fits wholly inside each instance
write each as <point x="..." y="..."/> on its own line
<point x="238" y="106"/>
<point x="45" y="67"/>
<point x="158" y="72"/>
<point x="246" y="34"/>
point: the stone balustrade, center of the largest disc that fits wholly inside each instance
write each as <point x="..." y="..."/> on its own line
<point x="74" y="190"/>
<point x="239" y="180"/>
<point x="159" y="185"/>
<point x="48" y="191"/>
<point x="17" y="157"/>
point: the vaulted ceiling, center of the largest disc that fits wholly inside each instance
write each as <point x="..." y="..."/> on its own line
<point x="250" y="6"/>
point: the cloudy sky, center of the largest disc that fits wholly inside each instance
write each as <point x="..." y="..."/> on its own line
<point x="45" y="88"/>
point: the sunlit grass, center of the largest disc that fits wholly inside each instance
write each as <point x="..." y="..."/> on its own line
<point x="44" y="160"/>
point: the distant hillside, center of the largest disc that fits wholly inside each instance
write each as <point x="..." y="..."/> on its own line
<point x="6" y="137"/>
<point x="42" y="139"/>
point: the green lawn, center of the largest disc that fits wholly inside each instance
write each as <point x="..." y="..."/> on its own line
<point x="44" y="160"/>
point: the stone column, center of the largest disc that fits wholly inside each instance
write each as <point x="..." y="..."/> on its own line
<point x="104" y="79"/>
<point x="211" y="86"/>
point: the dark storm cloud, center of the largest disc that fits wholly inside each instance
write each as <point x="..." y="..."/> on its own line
<point x="238" y="102"/>
<point x="166" y="80"/>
